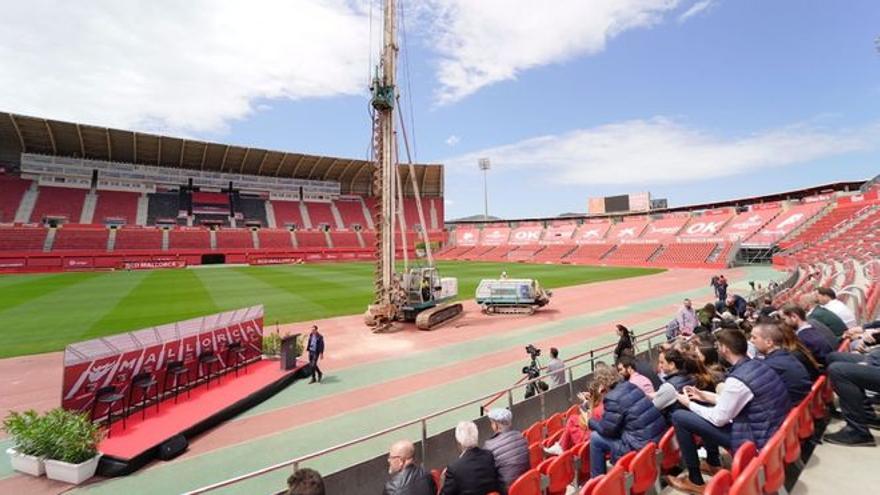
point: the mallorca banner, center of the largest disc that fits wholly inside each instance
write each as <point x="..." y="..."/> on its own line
<point x="115" y="359"/>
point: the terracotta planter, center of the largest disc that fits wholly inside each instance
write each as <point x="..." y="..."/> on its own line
<point x="27" y="464"/>
<point x="71" y="473"/>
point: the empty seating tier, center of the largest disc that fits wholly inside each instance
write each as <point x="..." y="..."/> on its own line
<point x="320" y="213"/>
<point x="71" y="238"/>
<point x="234" y="239"/>
<point x="12" y="190"/>
<point x="632" y="253"/>
<point x="684" y="253"/>
<point x="189" y="239"/>
<point x="22" y="239"/>
<point x="345" y="240"/>
<point x="58" y="202"/>
<point x="117" y="206"/>
<point x="352" y="213"/>
<point x="307" y="239"/>
<point x="274" y="239"/>
<point x="287" y="214"/>
<point x="138" y="239"/>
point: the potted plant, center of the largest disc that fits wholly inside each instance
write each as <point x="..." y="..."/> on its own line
<point x="73" y="456"/>
<point x="272" y="345"/>
<point x="30" y="440"/>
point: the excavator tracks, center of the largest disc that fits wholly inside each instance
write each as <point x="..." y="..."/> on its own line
<point x="431" y="319"/>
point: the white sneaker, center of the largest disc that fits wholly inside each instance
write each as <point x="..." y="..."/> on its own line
<point x="554" y="449"/>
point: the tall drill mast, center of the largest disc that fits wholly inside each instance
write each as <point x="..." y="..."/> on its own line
<point x="385" y="154"/>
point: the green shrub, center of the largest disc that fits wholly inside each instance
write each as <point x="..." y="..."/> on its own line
<point x="29" y="432"/>
<point x="272" y="344"/>
<point x="75" y="436"/>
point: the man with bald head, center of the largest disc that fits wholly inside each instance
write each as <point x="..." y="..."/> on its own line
<point x="407" y="477"/>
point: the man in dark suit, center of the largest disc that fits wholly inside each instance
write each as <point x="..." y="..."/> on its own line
<point x="315" y="346"/>
<point x="795" y="317"/>
<point x="474" y="472"/>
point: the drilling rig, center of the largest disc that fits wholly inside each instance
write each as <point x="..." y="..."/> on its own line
<point x="416" y="294"/>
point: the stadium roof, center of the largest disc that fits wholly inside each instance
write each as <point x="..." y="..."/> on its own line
<point x="23" y="134"/>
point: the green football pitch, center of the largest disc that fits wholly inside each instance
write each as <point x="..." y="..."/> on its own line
<point x="42" y="313"/>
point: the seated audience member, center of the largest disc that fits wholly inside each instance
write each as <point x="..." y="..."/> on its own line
<point x="707" y="353"/>
<point x="508" y="446"/>
<point x="474" y="471"/>
<point x="680" y="369"/>
<point x="750" y="407"/>
<point x="305" y="481"/>
<point x="706" y="314"/>
<point x="576" y="429"/>
<point x="735" y="304"/>
<point x="851" y="375"/>
<point x="768" y="340"/>
<point x="856" y="334"/>
<point x="818" y="345"/>
<point x="407" y="477"/>
<point x="625" y="342"/>
<point x="767" y="308"/>
<point x="828" y="299"/>
<point x="792" y="344"/>
<point x="628" y="422"/>
<point x="626" y="368"/>
<point x="819" y="316"/>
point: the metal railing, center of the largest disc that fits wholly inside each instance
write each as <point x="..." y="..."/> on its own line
<point x="587" y="358"/>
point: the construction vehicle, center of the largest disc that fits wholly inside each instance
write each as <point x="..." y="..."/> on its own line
<point x="418" y="294"/>
<point x="511" y="296"/>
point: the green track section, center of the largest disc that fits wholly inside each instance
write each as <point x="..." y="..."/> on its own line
<point x="43" y="313"/>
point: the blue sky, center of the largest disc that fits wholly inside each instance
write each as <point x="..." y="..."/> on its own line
<point x="690" y="100"/>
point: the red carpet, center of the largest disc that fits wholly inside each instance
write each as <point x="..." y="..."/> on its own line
<point x="140" y="436"/>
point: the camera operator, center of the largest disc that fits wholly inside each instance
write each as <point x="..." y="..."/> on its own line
<point x="533" y="371"/>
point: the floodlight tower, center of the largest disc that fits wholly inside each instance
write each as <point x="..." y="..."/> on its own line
<point x="485" y="165"/>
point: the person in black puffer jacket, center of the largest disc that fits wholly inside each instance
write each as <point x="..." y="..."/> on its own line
<point x="510" y="449"/>
<point x="629" y="422"/>
<point x="408" y="478"/>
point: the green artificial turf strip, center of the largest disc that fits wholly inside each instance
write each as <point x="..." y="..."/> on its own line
<point x="43" y="313"/>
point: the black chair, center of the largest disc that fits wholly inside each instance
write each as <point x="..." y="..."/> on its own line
<point x="176" y="370"/>
<point x="208" y="359"/>
<point x="143" y="382"/>
<point x="109" y="396"/>
<point x="237" y="350"/>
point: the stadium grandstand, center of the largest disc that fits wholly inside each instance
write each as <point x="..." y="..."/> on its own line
<point x="78" y="197"/>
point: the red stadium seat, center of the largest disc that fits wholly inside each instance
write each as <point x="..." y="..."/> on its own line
<point x="772" y="459"/>
<point x="670" y="455"/>
<point x="643" y="468"/>
<point x="749" y="481"/>
<point x="743" y="456"/>
<point x="613" y="483"/>
<point x="818" y="407"/>
<point x="534" y="433"/>
<point x="560" y="470"/>
<point x="437" y="475"/>
<point x="791" y="441"/>
<point x="719" y="484"/>
<point x="590" y="487"/>
<point x="582" y="461"/>
<point x="806" y="427"/>
<point x="553" y="424"/>
<point x="536" y="454"/>
<point x="529" y="483"/>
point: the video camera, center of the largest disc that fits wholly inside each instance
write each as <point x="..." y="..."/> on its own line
<point x="533" y="351"/>
<point x="532" y="371"/>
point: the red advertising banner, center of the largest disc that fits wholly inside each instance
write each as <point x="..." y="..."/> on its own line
<point x="559" y="234"/>
<point x="113" y="360"/>
<point x="275" y="260"/>
<point x="525" y="236"/>
<point x="495" y="236"/>
<point x="152" y="264"/>
<point x="592" y="232"/>
<point x="466" y="237"/>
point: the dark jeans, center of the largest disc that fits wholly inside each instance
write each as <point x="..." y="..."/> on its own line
<point x="313" y="362"/>
<point x="599" y="447"/>
<point x="687" y="424"/>
<point x="850" y="377"/>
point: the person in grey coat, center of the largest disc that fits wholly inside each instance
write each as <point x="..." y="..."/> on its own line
<point x="407" y="477"/>
<point x="510" y="449"/>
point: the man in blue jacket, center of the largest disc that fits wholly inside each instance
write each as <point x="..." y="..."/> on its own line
<point x="629" y="422"/>
<point x="768" y="339"/>
<point x="750" y="407"/>
<point x="315" y="346"/>
<point x="796" y="317"/>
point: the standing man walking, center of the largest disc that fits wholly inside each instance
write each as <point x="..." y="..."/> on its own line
<point x="316" y="351"/>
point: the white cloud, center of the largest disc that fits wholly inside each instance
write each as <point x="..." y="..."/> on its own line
<point x="701" y="6"/>
<point x="452" y="140"/>
<point x="662" y="151"/>
<point x="176" y="66"/>
<point x="488" y="41"/>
